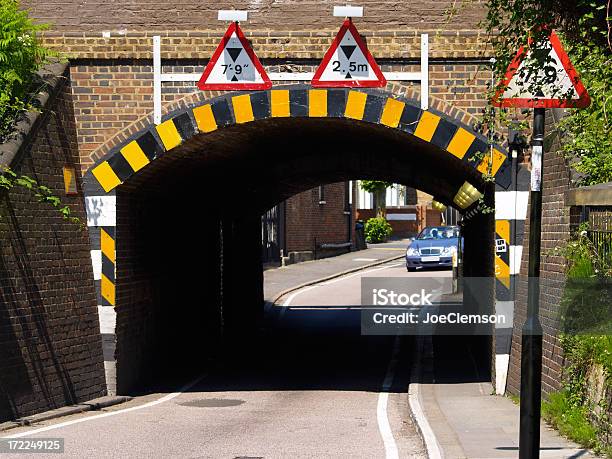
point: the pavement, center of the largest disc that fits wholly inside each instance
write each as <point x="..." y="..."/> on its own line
<point x="90" y="405"/>
<point x="468" y="421"/>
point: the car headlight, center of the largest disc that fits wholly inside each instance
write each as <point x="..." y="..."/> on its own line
<point x="412" y="251"/>
<point x="448" y="251"/>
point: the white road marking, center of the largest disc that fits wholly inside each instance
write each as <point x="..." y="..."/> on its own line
<point x="294" y="294"/>
<point x="365" y="259"/>
<point x="414" y="399"/>
<point x="384" y="427"/>
<point x="165" y="398"/>
<point x="381" y="408"/>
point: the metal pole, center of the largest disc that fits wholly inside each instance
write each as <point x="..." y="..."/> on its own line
<point x="531" y="352"/>
<point x="157" y="70"/>
<point x="424" y="71"/>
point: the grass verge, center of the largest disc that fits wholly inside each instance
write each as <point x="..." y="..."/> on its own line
<point x="572" y="422"/>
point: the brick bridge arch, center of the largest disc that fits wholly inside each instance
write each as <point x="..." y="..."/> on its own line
<point x="138" y="145"/>
<point x="393" y="89"/>
<point x="130" y="152"/>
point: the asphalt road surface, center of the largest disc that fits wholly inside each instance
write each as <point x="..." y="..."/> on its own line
<point x="309" y="385"/>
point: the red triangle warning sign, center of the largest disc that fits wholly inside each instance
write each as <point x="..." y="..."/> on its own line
<point x="555" y="85"/>
<point x="348" y="63"/>
<point x="234" y="65"/>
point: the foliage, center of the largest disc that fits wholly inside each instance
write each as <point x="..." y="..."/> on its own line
<point x="588" y="141"/>
<point x="572" y="411"/>
<point x="584" y="258"/>
<point x="584" y="25"/>
<point x="569" y="419"/>
<point x="21" y="56"/>
<point x="377" y="230"/>
<point x="9" y="179"/>
<point x="586" y="343"/>
<point x="379" y="189"/>
<point x="373" y="186"/>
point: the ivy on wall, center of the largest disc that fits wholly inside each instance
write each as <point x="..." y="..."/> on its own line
<point x="21" y="57"/>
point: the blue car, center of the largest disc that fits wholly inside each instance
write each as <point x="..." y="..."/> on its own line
<point x="434" y="247"/>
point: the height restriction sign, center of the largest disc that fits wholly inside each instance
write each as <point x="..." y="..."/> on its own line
<point x="234" y="65"/>
<point x="348" y="63"/>
<point x="542" y="77"/>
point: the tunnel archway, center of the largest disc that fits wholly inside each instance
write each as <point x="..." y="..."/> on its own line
<point x="169" y="186"/>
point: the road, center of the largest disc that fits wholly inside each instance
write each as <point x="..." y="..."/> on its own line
<point x="309" y="386"/>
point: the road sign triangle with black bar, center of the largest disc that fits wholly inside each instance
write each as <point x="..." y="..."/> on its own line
<point x="234" y="65"/>
<point x="348" y="63"/>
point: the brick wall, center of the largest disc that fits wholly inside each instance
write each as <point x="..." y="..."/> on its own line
<point x="264" y="14"/>
<point x="50" y="346"/>
<point x="433" y="218"/>
<point x="309" y="223"/>
<point x="401" y="228"/>
<point x="139" y="284"/>
<point x="107" y="98"/>
<point x="555" y="230"/>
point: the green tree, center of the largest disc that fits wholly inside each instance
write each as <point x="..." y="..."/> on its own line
<point x="585" y="28"/>
<point x="379" y="189"/>
<point x="21" y="56"/>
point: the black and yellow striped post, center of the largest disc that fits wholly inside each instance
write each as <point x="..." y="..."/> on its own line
<point x="107" y="279"/>
<point x="502" y="258"/>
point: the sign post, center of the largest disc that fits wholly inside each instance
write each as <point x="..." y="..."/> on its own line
<point x="550" y="81"/>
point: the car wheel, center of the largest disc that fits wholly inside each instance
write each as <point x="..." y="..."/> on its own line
<point x="410" y="270"/>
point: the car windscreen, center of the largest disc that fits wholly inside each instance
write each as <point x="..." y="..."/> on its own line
<point x="439" y="232"/>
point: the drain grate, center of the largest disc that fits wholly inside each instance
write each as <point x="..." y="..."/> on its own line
<point x="213" y="402"/>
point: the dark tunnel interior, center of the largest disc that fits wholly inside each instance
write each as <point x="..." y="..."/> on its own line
<point x="189" y="274"/>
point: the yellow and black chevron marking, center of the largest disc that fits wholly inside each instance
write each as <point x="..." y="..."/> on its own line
<point x="107" y="281"/>
<point x="502" y="258"/>
<point x="377" y="108"/>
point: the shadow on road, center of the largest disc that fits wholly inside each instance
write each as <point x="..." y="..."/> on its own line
<point x="325" y="352"/>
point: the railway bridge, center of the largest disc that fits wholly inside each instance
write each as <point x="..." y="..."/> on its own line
<point x="172" y="181"/>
